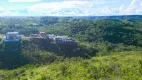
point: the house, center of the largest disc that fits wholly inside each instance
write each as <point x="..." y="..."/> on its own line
<point x="12" y="36"/>
<point x="42" y="34"/>
<point x="63" y="40"/>
<point x="12" y="41"/>
<point x="51" y="36"/>
<point x="39" y="35"/>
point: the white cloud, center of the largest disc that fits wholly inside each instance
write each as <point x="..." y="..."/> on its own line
<point x="73" y="8"/>
<point x="58" y="5"/>
<point x="9" y="13"/>
<point x="105" y="11"/>
<point x="121" y="8"/>
<point x="64" y="7"/>
<point x="135" y="7"/>
<point x="79" y="8"/>
<point x="103" y="2"/>
<point x="1" y="9"/>
<point x="23" y="0"/>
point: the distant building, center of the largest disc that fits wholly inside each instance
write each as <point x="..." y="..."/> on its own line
<point x="34" y="35"/>
<point x="39" y="35"/>
<point x="64" y="40"/>
<point x="42" y="34"/>
<point x="12" y="41"/>
<point x="51" y="36"/>
<point x="12" y="36"/>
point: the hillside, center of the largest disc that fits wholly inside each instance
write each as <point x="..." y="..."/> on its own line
<point x="117" y="66"/>
<point x="102" y="48"/>
<point x="122" y="17"/>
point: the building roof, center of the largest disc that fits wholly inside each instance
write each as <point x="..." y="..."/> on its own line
<point x="65" y="37"/>
<point x="42" y="32"/>
<point x="12" y="33"/>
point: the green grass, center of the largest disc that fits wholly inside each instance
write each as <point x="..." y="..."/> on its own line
<point x="117" y="66"/>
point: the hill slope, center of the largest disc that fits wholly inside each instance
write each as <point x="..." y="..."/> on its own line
<point x="118" y="66"/>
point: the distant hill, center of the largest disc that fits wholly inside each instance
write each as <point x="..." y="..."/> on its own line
<point x="123" y="17"/>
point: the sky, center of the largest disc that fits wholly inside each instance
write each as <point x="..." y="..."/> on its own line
<point x="70" y="7"/>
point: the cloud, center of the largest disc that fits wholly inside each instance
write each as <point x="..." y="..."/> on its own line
<point x="9" y="13"/>
<point x="64" y="7"/>
<point x="135" y="7"/>
<point x="14" y="12"/>
<point x="103" y="2"/>
<point x="104" y="11"/>
<point x="67" y="8"/>
<point x="121" y="8"/>
<point x="1" y="9"/>
<point x="59" y="5"/>
<point x="23" y="0"/>
<point x="76" y="8"/>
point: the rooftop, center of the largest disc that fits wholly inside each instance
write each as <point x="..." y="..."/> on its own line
<point x="12" y="33"/>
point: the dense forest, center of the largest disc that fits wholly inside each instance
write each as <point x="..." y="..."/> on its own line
<point x="108" y="47"/>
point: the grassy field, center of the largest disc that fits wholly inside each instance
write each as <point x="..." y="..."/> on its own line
<point x="117" y="66"/>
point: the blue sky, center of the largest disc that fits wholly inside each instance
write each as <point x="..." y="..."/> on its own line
<point x="70" y="7"/>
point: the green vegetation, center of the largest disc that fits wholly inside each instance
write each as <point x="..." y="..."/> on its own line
<point x="117" y="66"/>
<point x="106" y="48"/>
